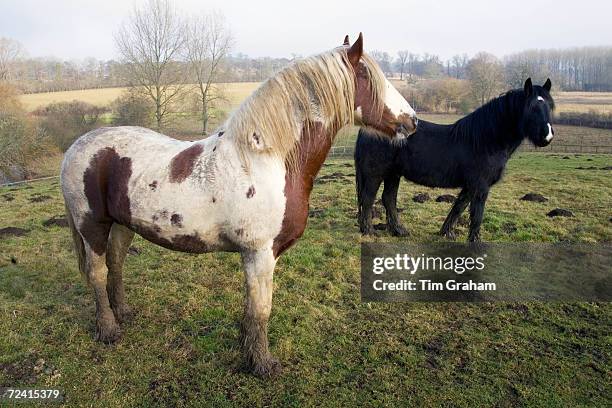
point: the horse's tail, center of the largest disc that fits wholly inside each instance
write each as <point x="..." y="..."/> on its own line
<point x="79" y="245"/>
<point x="359" y="179"/>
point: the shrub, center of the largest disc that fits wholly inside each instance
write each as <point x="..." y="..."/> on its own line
<point x="132" y="109"/>
<point x="602" y="120"/>
<point x="64" y="122"/>
<point x="21" y="141"/>
<point x="439" y="96"/>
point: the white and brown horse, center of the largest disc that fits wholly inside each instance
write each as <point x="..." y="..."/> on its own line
<point x="245" y="189"/>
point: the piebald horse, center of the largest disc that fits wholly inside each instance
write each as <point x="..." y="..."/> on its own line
<point x="244" y="189"/>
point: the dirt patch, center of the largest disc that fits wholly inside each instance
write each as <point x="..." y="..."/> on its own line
<point x="535" y="197"/>
<point x="421" y="198"/>
<point x="445" y="198"/>
<point x="8" y="197"/>
<point x="13" y="232"/>
<point x="134" y="251"/>
<point x="316" y="212"/>
<point x="566" y="157"/>
<point x="560" y="212"/>
<point x="509" y="227"/>
<point x="330" y="177"/>
<point x="39" y="198"/>
<point x="607" y="168"/>
<point x="58" y="221"/>
<point x="28" y="370"/>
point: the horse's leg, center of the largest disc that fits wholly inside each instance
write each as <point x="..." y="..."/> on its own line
<point x="477" y="205"/>
<point x="458" y="207"/>
<point x="367" y="195"/>
<point x="119" y="241"/>
<point x="258" y="268"/>
<point x="96" y="273"/>
<point x="389" y="199"/>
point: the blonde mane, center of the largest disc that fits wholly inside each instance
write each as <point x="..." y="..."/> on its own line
<point x="320" y="88"/>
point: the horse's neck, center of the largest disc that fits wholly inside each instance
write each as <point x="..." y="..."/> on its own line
<point x="312" y="149"/>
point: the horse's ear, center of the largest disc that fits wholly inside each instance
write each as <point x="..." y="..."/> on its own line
<point x="346" y="40"/>
<point x="528" y="88"/>
<point x="547" y="85"/>
<point x="356" y="51"/>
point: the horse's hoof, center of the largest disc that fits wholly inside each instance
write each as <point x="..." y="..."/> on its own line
<point x="123" y="313"/>
<point x="398" y="231"/>
<point x="452" y="235"/>
<point x="367" y="231"/>
<point x="268" y="368"/>
<point x="108" y="334"/>
<point x="475" y="238"/>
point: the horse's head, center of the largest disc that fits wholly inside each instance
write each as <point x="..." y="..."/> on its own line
<point x="537" y="115"/>
<point x="378" y="104"/>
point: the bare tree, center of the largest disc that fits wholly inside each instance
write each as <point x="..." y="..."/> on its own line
<point x="10" y="52"/>
<point x="208" y="44"/>
<point x="383" y="59"/>
<point x="486" y="76"/>
<point x="151" y="43"/>
<point x="402" y="61"/>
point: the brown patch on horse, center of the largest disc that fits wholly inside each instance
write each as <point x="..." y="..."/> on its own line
<point x="250" y="192"/>
<point x="312" y="151"/>
<point x="106" y="189"/>
<point x="177" y="220"/>
<point x="190" y="243"/>
<point x="182" y="164"/>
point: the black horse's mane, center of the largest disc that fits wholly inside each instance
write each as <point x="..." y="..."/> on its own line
<point x="493" y="123"/>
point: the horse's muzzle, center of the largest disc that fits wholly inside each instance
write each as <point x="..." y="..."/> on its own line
<point x="407" y="127"/>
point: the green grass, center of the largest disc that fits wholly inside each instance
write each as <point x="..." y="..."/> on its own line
<point x="182" y="348"/>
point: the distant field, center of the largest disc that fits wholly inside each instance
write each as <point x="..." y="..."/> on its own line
<point x="235" y="92"/>
<point x="583" y="101"/>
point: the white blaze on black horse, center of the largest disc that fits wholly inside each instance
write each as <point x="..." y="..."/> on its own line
<point x="470" y="154"/>
<point x="245" y="189"/>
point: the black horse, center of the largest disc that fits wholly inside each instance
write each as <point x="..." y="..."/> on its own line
<point x="471" y="153"/>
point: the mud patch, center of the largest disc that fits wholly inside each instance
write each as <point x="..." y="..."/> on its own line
<point x="58" y="221"/>
<point x="39" y="198"/>
<point x="316" y="212"/>
<point x="509" y="227"/>
<point x="135" y="251"/>
<point x="330" y="177"/>
<point x="421" y="198"/>
<point x="13" y="232"/>
<point x="560" y="212"/>
<point x="535" y="197"/>
<point x="445" y="198"/>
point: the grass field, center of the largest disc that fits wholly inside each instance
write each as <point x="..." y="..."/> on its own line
<point x="583" y="101"/>
<point x="235" y="92"/>
<point x="181" y="349"/>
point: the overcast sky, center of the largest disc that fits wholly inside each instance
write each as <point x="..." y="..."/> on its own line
<point x="74" y="29"/>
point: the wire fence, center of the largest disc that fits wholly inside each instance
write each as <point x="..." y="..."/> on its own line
<point x="348" y="150"/>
